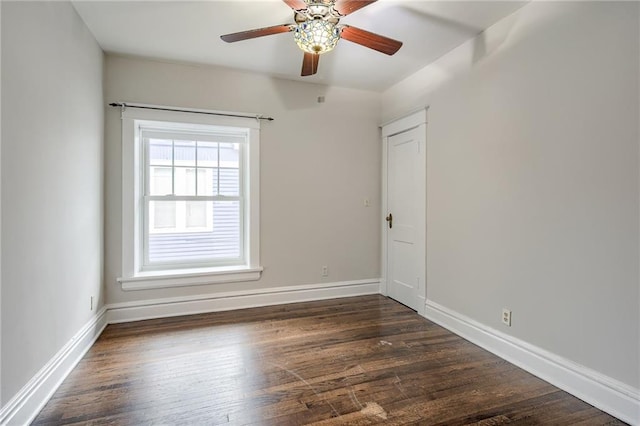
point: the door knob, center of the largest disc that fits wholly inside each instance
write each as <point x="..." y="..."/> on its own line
<point x="389" y="219"/>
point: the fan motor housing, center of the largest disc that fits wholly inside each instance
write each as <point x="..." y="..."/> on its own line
<point x="317" y="10"/>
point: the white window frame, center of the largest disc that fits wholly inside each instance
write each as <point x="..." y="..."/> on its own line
<point x="133" y="277"/>
<point x="177" y="130"/>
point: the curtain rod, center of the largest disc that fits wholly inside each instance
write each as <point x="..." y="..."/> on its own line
<point x="159" y="108"/>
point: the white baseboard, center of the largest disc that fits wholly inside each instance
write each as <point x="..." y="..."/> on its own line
<point x="28" y="402"/>
<point x="162" y="308"/>
<point x="603" y="392"/>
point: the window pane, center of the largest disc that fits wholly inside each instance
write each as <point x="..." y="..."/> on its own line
<point x="218" y="240"/>
<point x="184" y="153"/>
<point x="162" y="216"/>
<point x="196" y="213"/>
<point x="206" y="183"/>
<point x="207" y="154"/>
<point x="230" y="182"/>
<point x="185" y="180"/>
<point x="226" y="227"/>
<point x="160" y="182"/>
<point x="229" y="155"/>
<point x="160" y="152"/>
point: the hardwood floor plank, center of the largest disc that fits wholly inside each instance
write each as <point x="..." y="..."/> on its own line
<point x="358" y="361"/>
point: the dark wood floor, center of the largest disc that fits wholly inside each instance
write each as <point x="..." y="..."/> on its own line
<point x="362" y="360"/>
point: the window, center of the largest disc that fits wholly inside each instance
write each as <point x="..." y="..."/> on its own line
<point x="193" y="203"/>
<point x="190" y="199"/>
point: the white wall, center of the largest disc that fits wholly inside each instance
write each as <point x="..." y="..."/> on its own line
<point x="533" y="183"/>
<point x="318" y="162"/>
<point x="52" y="184"/>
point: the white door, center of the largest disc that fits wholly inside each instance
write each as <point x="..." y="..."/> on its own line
<point x="405" y="220"/>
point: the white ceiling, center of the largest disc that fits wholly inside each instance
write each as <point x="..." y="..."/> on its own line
<point x="189" y="31"/>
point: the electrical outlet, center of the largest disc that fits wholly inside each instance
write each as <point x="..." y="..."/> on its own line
<point x="91" y="304"/>
<point x="367" y="202"/>
<point x="325" y="271"/>
<point x="506" y="317"/>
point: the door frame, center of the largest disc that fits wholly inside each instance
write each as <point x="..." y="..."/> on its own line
<point x="417" y="119"/>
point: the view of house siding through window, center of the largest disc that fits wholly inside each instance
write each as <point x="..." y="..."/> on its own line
<point x="193" y="199"/>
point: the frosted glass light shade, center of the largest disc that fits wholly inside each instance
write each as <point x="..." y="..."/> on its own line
<point x="316" y="36"/>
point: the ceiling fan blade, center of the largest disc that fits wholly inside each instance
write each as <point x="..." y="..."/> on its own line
<point x="296" y="4"/>
<point x="259" y="32"/>
<point x="310" y="64"/>
<point x="373" y="41"/>
<point x="345" y="7"/>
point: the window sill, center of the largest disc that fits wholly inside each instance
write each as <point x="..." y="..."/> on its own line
<point x="189" y="277"/>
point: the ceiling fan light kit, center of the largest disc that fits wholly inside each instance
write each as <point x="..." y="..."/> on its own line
<point x="316" y="36"/>
<point x="316" y="30"/>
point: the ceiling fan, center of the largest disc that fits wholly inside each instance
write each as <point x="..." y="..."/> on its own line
<point x="317" y="30"/>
